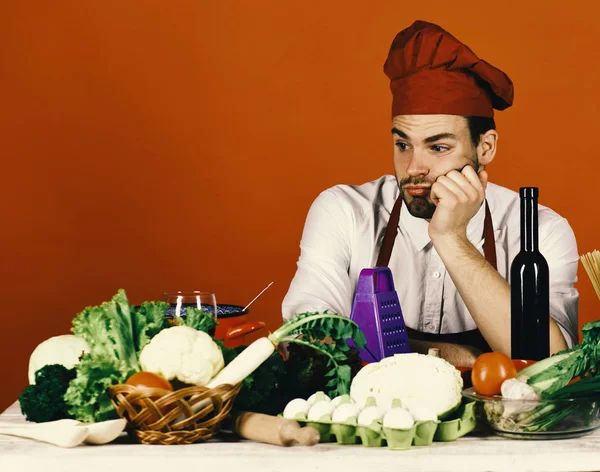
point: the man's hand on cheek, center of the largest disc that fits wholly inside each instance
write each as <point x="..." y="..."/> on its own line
<point x="458" y="195"/>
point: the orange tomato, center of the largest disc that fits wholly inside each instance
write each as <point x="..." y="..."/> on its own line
<point x="490" y="370"/>
<point x="521" y="363"/>
<point x="149" y="380"/>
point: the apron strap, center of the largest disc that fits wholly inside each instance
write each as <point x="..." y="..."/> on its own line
<point x="472" y="338"/>
<point x="391" y="231"/>
<point x="489" y="241"/>
<point x="385" y="252"/>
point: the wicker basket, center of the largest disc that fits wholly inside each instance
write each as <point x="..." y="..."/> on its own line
<point x="157" y="416"/>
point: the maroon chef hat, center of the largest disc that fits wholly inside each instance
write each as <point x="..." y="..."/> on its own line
<point x="432" y="72"/>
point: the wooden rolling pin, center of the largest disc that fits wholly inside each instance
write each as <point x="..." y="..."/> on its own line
<point x="274" y="430"/>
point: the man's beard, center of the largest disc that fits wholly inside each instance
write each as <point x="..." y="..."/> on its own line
<point x="419" y="207"/>
<point x="423" y="207"/>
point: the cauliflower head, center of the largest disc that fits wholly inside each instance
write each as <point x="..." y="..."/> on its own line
<point x="184" y="353"/>
<point x="65" y="350"/>
<point x="415" y="379"/>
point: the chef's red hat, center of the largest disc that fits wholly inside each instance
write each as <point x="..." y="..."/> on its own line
<point x="432" y="72"/>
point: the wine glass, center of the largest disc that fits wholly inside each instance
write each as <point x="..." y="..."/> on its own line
<point x="178" y="301"/>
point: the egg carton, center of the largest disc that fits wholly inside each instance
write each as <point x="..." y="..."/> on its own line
<point x="422" y="433"/>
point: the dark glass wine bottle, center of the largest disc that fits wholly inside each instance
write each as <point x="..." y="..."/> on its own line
<point x="530" y="288"/>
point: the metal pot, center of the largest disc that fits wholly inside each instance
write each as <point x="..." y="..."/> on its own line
<point x="233" y="323"/>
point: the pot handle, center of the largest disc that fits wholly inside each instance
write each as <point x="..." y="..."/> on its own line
<point x="243" y="329"/>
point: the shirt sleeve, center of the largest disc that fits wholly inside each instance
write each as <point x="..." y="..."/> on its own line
<point x="559" y="248"/>
<point x="321" y="281"/>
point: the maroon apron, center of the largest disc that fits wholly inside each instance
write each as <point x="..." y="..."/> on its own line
<point x="471" y="338"/>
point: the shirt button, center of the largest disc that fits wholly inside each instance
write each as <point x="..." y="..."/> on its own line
<point x="436" y="274"/>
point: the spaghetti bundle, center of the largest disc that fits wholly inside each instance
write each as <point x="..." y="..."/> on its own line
<point x="591" y="264"/>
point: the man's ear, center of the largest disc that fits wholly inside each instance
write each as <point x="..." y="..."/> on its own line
<point x="486" y="150"/>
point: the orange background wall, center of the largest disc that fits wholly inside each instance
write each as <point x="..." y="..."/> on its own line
<point x="156" y="145"/>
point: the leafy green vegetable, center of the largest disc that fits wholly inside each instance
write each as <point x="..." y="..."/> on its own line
<point x="87" y="396"/>
<point x="260" y="389"/>
<point x="550" y="378"/>
<point x="327" y="333"/>
<point x="108" y="330"/>
<point x="200" y="320"/>
<point x="44" y="400"/>
<point x="148" y="320"/>
<point x="306" y="369"/>
<point x="586" y="387"/>
<point x="550" y="375"/>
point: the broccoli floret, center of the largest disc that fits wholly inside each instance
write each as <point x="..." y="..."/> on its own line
<point x="44" y="400"/>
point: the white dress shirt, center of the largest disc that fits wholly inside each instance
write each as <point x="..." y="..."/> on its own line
<point x="344" y="231"/>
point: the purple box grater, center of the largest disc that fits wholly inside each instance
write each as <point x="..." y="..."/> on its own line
<point x="377" y="312"/>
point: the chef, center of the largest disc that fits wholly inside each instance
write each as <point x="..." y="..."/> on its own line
<point x="451" y="234"/>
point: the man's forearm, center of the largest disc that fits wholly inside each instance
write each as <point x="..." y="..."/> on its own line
<point x="485" y="293"/>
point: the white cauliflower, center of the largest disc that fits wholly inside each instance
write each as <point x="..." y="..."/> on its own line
<point x="184" y="353"/>
<point x="65" y="350"/>
<point x="414" y="379"/>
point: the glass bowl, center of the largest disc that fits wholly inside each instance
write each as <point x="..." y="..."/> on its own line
<point x="537" y="419"/>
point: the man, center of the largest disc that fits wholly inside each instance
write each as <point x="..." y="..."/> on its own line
<point x="457" y="234"/>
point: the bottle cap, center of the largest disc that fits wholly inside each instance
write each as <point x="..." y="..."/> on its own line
<point x="528" y="192"/>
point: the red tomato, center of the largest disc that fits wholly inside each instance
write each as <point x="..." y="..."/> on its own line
<point x="521" y="364"/>
<point x="490" y="370"/>
<point x="149" y="380"/>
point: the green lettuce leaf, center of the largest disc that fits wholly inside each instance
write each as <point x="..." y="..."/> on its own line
<point x="87" y="394"/>
<point x="108" y="331"/>
<point x="200" y="320"/>
<point x="148" y="320"/>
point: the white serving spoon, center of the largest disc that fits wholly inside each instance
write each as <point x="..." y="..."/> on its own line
<point x="67" y="433"/>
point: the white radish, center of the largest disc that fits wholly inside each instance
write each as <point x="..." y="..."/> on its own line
<point x="260" y="350"/>
<point x="243" y="365"/>
<point x="238" y="369"/>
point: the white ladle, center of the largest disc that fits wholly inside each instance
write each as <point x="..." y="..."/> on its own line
<point x="67" y="433"/>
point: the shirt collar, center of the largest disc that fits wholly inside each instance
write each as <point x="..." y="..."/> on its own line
<point x="417" y="228"/>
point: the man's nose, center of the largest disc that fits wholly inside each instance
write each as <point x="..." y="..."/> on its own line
<point x="417" y="165"/>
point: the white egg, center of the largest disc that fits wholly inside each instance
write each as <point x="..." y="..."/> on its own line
<point x="398" y="418"/>
<point x="297" y="405"/>
<point x="369" y="414"/>
<point x="320" y="409"/>
<point x="344" y="412"/>
<point x="337" y="401"/>
<point x="317" y="397"/>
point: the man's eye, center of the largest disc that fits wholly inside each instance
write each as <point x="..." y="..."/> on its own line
<point x="439" y="148"/>
<point x="402" y="146"/>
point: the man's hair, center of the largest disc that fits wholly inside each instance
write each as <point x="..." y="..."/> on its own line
<point x="479" y="125"/>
